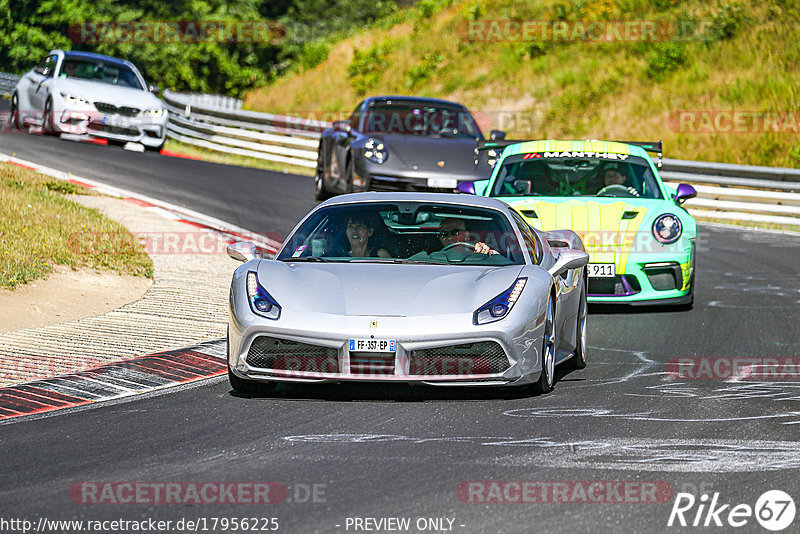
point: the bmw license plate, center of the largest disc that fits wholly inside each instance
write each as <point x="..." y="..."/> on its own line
<point x="373" y="345"/>
<point x="601" y="270"/>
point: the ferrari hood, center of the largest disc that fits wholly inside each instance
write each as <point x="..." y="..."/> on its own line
<point x="380" y="289"/>
<point x="439" y="155"/>
<point x="108" y="93"/>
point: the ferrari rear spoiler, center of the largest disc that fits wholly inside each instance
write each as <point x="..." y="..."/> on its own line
<point x="655" y="147"/>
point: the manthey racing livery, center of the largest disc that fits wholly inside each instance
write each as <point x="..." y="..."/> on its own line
<point x="640" y="238"/>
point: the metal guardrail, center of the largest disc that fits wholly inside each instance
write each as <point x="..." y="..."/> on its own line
<point x="7" y="83"/>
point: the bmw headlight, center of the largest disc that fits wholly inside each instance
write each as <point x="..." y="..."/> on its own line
<point x="667" y="229"/>
<point x="261" y="302"/>
<point x="501" y="305"/>
<point x="154" y="113"/>
<point x="375" y="151"/>
<point x="74" y="100"/>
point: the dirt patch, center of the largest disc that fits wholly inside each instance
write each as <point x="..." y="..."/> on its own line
<point x="67" y="295"/>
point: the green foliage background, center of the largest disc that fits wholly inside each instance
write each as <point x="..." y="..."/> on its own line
<point x="28" y="30"/>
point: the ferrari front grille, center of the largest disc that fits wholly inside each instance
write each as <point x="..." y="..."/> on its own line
<point x="372" y="363"/>
<point x="274" y="353"/>
<point x="484" y="357"/>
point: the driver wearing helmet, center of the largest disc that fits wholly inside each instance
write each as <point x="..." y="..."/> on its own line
<point x="612" y="177"/>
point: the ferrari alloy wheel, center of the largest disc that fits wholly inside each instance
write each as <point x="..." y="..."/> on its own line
<point x="547" y="378"/>
<point x="320" y="191"/>
<point x="578" y="361"/>
<point x="14" y="115"/>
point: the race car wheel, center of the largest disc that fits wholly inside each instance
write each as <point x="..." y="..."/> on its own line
<point x="549" y="343"/>
<point x="348" y="176"/>
<point x="320" y="191"/>
<point x="14" y="115"/>
<point x="47" y="119"/>
<point x="578" y="361"/>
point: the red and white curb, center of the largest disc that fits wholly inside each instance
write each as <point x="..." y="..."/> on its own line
<point x="224" y="230"/>
<point x="115" y="380"/>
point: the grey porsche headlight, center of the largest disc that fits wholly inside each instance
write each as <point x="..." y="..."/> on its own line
<point x="154" y="113"/>
<point x="501" y="305"/>
<point x="375" y="151"/>
<point x="261" y="302"/>
<point x="667" y="228"/>
<point x="74" y="100"/>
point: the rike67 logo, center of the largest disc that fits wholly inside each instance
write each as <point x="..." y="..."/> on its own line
<point x="774" y="510"/>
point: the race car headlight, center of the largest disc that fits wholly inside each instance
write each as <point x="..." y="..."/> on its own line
<point x="667" y="229"/>
<point x="375" y="151"/>
<point x="261" y="302"/>
<point x="74" y="100"/>
<point x="154" y="113"/>
<point x="501" y="305"/>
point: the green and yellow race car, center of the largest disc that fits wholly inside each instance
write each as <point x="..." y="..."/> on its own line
<point x="640" y="239"/>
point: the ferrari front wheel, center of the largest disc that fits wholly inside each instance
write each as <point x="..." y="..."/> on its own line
<point x="578" y="360"/>
<point x="547" y="378"/>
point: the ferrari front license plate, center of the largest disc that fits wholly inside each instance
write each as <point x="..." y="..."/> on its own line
<point x="449" y="183"/>
<point x="373" y="345"/>
<point x="601" y="270"/>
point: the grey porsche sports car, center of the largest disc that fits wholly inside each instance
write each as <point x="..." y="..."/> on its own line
<point x="401" y="143"/>
<point x="426" y="288"/>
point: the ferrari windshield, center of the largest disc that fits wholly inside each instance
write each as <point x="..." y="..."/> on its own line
<point x="406" y="232"/>
<point x="420" y="118"/>
<point x="99" y="71"/>
<point x="576" y="174"/>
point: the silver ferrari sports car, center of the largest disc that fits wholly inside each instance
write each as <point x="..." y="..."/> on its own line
<point x="421" y="288"/>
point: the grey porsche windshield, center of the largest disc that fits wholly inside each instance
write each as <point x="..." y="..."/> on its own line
<point x="541" y="174"/>
<point x="99" y="71"/>
<point x="406" y="232"/>
<point x="419" y="118"/>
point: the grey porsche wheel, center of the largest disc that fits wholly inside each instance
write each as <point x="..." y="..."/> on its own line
<point x="348" y="175"/>
<point x="578" y="361"/>
<point x="320" y="191"/>
<point x="549" y="344"/>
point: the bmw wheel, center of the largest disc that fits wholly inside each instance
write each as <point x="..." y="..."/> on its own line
<point x="14" y="115"/>
<point x="547" y="378"/>
<point x="47" y="119"/>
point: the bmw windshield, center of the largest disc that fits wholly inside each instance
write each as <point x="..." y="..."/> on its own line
<point x="99" y="71"/>
<point x="575" y="174"/>
<point x="407" y="232"/>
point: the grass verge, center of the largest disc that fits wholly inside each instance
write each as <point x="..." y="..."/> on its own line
<point x="225" y="158"/>
<point x="40" y="227"/>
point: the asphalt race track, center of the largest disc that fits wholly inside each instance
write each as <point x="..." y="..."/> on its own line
<point x="404" y="452"/>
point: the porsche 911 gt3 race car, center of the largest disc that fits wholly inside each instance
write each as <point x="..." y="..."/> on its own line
<point x="639" y="237"/>
<point x="420" y="288"/>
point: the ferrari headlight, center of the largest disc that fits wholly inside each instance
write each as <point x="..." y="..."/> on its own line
<point x="667" y="229"/>
<point x="501" y="305"/>
<point x="375" y="151"/>
<point x="261" y="302"/>
<point x="154" y="113"/>
<point x="74" y="100"/>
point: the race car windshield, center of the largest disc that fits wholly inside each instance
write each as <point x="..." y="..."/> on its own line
<point x="415" y="118"/>
<point x="540" y="174"/>
<point x="408" y="233"/>
<point x="99" y="71"/>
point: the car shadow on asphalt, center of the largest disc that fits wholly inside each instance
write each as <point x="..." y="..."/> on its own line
<point x="626" y="309"/>
<point x="352" y="392"/>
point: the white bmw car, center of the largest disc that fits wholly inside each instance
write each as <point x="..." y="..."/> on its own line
<point x="89" y="94"/>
